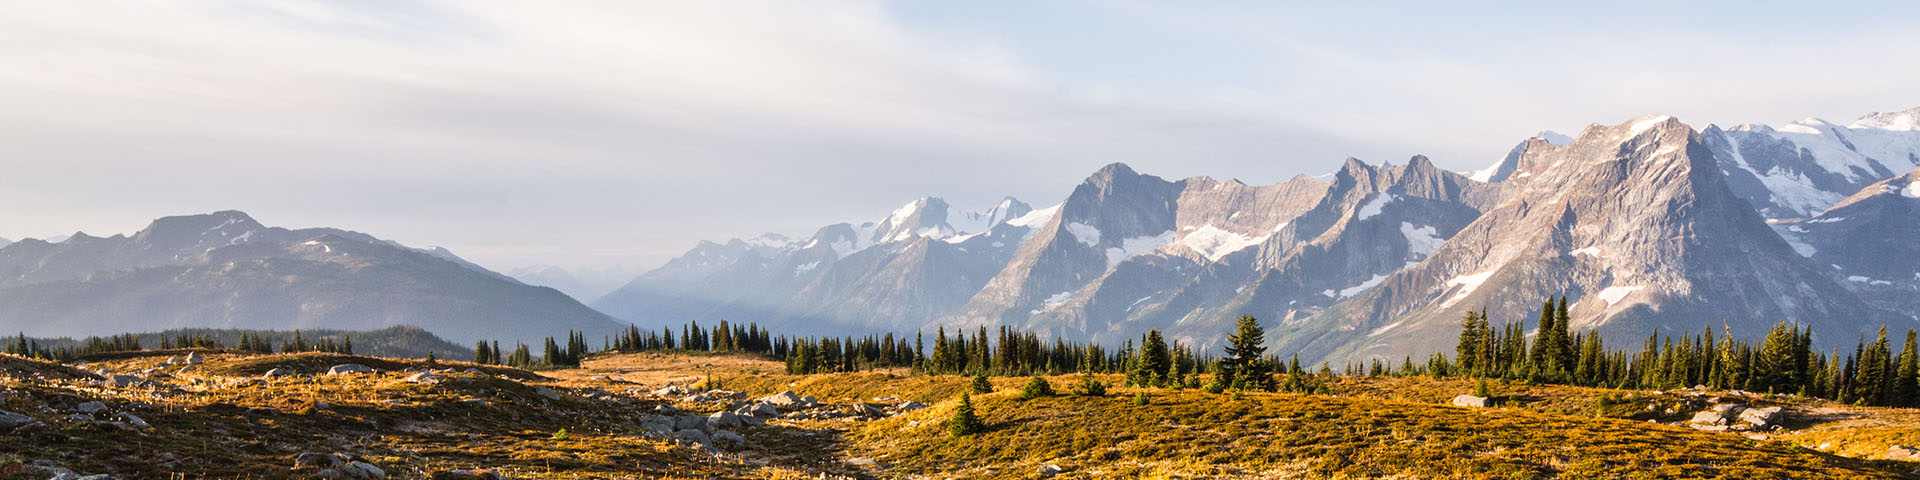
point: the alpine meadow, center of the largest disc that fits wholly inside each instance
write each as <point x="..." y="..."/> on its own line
<point x="875" y="239"/>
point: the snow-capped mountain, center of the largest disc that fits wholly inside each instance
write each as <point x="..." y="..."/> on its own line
<point x="4" y="242"/>
<point x="894" y="273"/>
<point x="1869" y="243"/>
<point x="1799" y="169"/>
<point x="1634" y="222"/>
<point x="226" y="270"/>
<point x="1645" y="225"/>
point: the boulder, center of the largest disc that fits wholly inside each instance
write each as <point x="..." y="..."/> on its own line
<point x="689" y="422"/>
<point x="134" y="421"/>
<point x="277" y="372"/>
<point x="723" y="420"/>
<point x="194" y="358"/>
<point x="10" y="420"/>
<point x="1728" y="408"/>
<point x="547" y="393"/>
<point x="1472" y="401"/>
<point x="728" y="439"/>
<point x="425" y="378"/>
<point x="657" y="424"/>
<point x="693" y="436"/>
<point x="1761" y="418"/>
<point x="467" y="475"/>
<point x="602" y="378"/>
<point x="671" y="391"/>
<point x="1901" y="452"/>
<point x="761" y="410"/>
<point x="90" y="407"/>
<point x="125" y="381"/>
<point x="911" y="406"/>
<point x="317" y="459"/>
<point x="1709" y="418"/>
<point x="1050" y="470"/>
<point x="783" y="400"/>
<point x="363" y="471"/>
<point x="347" y="368"/>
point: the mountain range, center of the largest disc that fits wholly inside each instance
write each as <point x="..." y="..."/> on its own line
<point x="1645" y="225"/>
<point x="225" y="270"/>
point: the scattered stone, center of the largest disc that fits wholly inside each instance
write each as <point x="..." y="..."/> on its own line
<point x="911" y="406"/>
<point x="696" y="437"/>
<point x="729" y="439"/>
<point x="1709" y="418"/>
<point x="689" y="422"/>
<point x="761" y="410"/>
<point x="602" y="378"/>
<point x="363" y="471"/>
<point x="194" y="358"/>
<point x="467" y="475"/>
<point x="425" y="378"/>
<point x="134" y="421"/>
<point x="125" y="381"/>
<point x="475" y="402"/>
<point x="671" y="391"/>
<point x="1472" y="401"/>
<point x="863" y="462"/>
<point x="546" y="392"/>
<point x="90" y="407"/>
<point x="657" y="424"/>
<point x="347" y="368"/>
<point x="1902" y="452"/>
<point x="10" y="420"/>
<point x="316" y="459"/>
<point x="1050" y="470"/>
<point x="1727" y="407"/>
<point x="697" y="398"/>
<point x="723" y="420"/>
<point x="277" y="372"/>
<point x="1762" y="418"/>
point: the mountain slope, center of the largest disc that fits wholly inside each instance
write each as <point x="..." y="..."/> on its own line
<point x="224" y="270"/>
<point x="1634" y="222"/>
<point x="1801" y="168"/>
<point x="1870" y="243"/>
<point x="896" y="273"/>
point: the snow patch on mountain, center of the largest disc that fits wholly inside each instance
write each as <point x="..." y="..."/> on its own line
<point x="1421" y="241"/>
<point x="1086" y="234"/>
<point x="1912" y="190"/>
<point x="1373" y="206"/>
<point x="1614" y="294"/>
<point x="1136" y="246"/>
<point x="1648" y="122"/>
<point x="1036" y="217"/>
<point x="1466" y="285"/>
<point x="1214" y="243"/>
<point x="1588" y="251"/>
<point x="1363" y="286"/>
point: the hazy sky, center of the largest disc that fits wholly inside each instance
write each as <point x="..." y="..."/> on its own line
<point x="594" y="133"/>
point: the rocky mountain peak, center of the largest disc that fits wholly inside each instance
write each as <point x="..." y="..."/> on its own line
<point x="225" y="227"/>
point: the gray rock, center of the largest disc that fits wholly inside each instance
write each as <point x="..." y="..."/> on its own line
<point x="546" y="392"/>
<point x="671" y="391"/>
<point x="723" y="420"/>
<point x="90" y="407"/>
<point x="1050" y="470"/>
<point x="728" y="439"/>
<point x="761" y="410"/>
<point x="1901" y="452"/>
<point x="657" y="424"/>
<point x="1762" y="417"/>
<point x="10" y="420"/>
<point x="277" y="372"/>
<point x="317" y="459"/>
<point x="125" y="381"/>
<point x="689" y="422"/>
<point x="693" y="436"/>
<point x="1472" y="401"/>
<point x="347" y="368"/>
<point x="425" y="378"/>
<point x="363" y="471"/>
<point x="134" y="421"/>
<point x="194" y="358"/>
<point x="783" y="400"/>
<point x="911" y="406"/>
<point x="1709" y="418"/>
<point x="1728" y="408"/>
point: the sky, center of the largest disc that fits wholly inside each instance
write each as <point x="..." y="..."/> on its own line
<point x="590" y="134"/>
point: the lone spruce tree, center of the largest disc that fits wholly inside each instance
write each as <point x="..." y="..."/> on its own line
<point x="964" y="421"/>
<point x="1244" y="350"/>
<point x="1151" y="368"/>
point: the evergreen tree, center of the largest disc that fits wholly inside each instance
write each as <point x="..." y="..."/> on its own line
<point x="1905" y="392"/>
<point x="964" y="421"/>
<point x="981" y="385"/>
<point x="1245" y="349"/>
<point x="1151" y="367"/>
